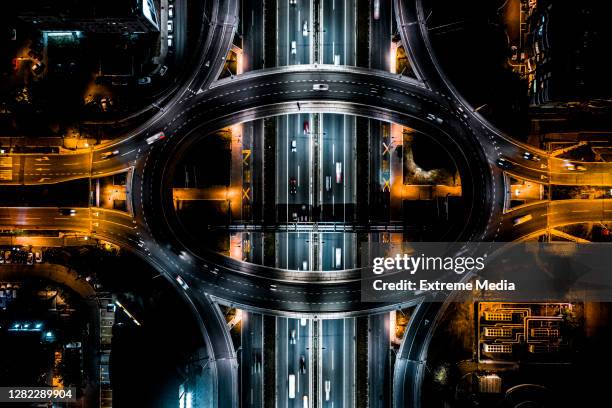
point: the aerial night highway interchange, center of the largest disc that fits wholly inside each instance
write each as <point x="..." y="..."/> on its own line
<point x="189" y="190"/>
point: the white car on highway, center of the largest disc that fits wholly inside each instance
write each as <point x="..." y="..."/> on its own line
<point x="108" y="155"/>
<point x="338" y="172"/>
<point x="292" y="339"/>
<point x="320" y="87"/>
<point x="522" y="220"/>
<point x="327" y="389"/>
<point x="291" y="386"/>
<point x="293" y="47"/>
<point x="305" y="29"/>
<point x="155" y="137"/>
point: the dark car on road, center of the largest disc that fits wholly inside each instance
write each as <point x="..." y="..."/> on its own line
<point x="504" y="164"/>
<point x="292" y="186"/>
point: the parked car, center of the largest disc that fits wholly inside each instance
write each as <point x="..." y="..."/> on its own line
<point x="105" y="104"/>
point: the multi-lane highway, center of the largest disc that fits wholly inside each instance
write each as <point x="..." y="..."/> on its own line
<point x="294" y="29"/>
<point x="337" y="170"/>
<point x="337" y="22"/>
<point x="252" y="360"/>
<point x="337" y="373"/>
<point x="293" y="361"/>
<point x="294" y="159"/>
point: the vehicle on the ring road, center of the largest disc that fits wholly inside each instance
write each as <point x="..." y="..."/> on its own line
<point x="522" y="220"/>
<point x="328" y="183"/>
<point x="292" y="339"/>
<point x="293" y="47"/>
<point x="293" y="2"/>
<point x="504" y="164"/>
<point x="108" y="155"/>
<point x="305" y="400"/>
<point x="376" y="9"/>
<point x="303" y="321"/>
<point x="170" y="25"/>
<point x="572" y="167"/>
<point x="531" y="156"/>
<point x="302" y="364"/>
<point x="320" y="87"/>
<point x="305" y="29"/>
<point x="294" y="145"/>
<point x="67" y="211"/>
<point x="182" y="283"/>
<point x="327" y="389"/>
<point x="291" y="386"/>
<point x="155" y="137"/>
<point x="292" y="186"/>
<point x="170" y="40"/>
<point x="306" y="127"/>
<point x="434" y="118"/>
<point x="171" y="11"/>
<point x="338" y="172"/>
